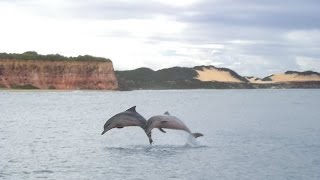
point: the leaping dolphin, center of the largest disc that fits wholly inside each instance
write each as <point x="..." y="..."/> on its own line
<point x="130" y="117"/>
<point x="169" y="122"/>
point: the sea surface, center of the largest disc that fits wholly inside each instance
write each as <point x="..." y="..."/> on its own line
<point x="248" y="134"/>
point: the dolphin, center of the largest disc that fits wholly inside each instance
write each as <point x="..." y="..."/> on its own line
<point x="130" y="117"/>
<point x="169" y="122"/>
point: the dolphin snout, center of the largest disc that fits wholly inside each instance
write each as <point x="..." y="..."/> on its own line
<point x="104" y="131"/>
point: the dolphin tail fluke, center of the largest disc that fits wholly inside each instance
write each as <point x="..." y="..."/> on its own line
<point x="195" y="135"/>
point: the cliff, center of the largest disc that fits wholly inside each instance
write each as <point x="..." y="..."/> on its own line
<point x="56" y="73"/>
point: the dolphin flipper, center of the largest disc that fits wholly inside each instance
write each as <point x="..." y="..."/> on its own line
<point x="195" y="135"/>
<point x="160" y="129"/>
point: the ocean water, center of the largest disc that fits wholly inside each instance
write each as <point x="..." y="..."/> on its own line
<point x="249" y="134"/>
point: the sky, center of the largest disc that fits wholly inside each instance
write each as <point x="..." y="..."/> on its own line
<point x="252" y="37"/>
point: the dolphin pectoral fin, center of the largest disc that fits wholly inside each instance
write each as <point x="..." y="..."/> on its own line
<point x="160" y="129"/>
<point x="195" y="135"/>
<point x="119" y="127"/>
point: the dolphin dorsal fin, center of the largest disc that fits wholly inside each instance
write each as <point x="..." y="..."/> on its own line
<point x="166" y="113"/>
<point x="132" y="109"/>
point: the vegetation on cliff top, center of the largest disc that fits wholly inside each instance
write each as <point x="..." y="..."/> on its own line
<point x="32" y="55"/>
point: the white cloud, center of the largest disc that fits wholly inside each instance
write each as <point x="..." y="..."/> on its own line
<point x="72" y="37"/>
<point x="164" y="33"/>
<point x="180" y="3"/>
<point x="308" y="63"/>
<point x="304" y="37"/>
<point x="244" y="64"/>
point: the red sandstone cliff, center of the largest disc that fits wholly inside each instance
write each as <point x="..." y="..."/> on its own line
<point x="64" y="74"/>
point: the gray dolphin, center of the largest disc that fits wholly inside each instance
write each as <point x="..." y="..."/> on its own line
<point x="130" y="117"/>
<point x="169" y="122"/>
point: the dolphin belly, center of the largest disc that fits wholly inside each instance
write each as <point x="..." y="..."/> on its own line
<point x="175" y="125"/>
<point x="125" y="123"/>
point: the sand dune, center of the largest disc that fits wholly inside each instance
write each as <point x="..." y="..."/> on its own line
<point x="294" y="77"/>
<point x="286" y="77"/>
<point x="221" y="75"/>
<point x="213" y="74"/>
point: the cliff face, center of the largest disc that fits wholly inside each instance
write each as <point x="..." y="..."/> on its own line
<point x="64" y="74"/>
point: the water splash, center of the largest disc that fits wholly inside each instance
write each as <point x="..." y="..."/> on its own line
<point x="192" y="142"/>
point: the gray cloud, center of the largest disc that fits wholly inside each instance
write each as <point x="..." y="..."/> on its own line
<point x="272" y="14"/>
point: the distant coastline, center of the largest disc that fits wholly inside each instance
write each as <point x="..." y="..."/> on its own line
<point x="211" y="77"/>
<point x="31" y="70"/>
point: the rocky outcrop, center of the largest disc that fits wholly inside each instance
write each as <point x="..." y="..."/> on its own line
<point x="57" y="74"/>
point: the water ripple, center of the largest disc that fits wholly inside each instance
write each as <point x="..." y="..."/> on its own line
<point x="56" y="135"/>
<point x="42" y="171"/>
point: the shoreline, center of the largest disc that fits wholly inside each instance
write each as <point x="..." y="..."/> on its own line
<point x="200" y="89"/>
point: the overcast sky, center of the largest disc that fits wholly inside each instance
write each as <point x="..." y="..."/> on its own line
<point x="252" y="37"/>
